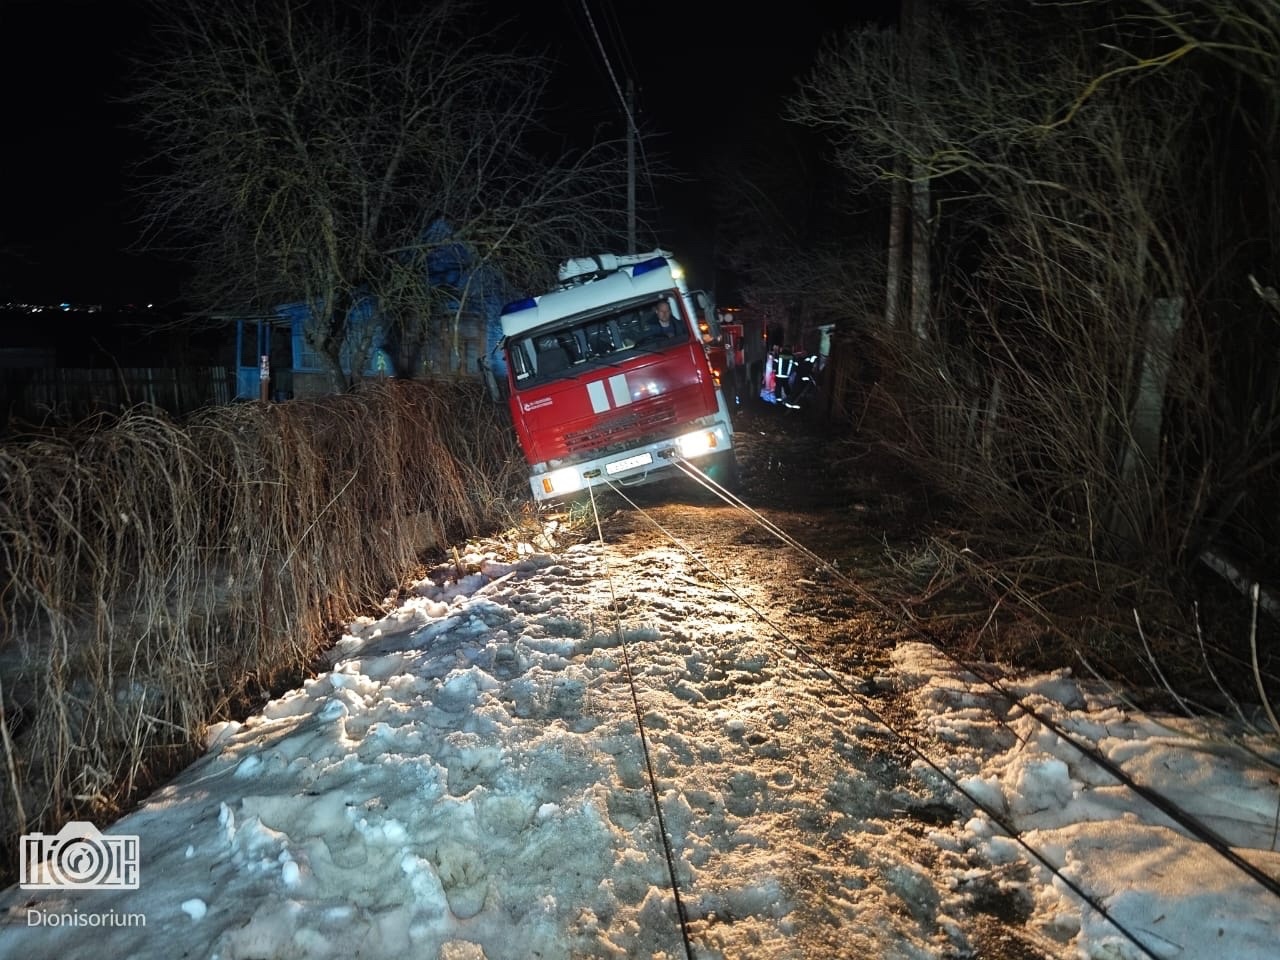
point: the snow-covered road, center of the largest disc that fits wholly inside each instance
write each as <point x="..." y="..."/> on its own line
<point x="469" y="780"/>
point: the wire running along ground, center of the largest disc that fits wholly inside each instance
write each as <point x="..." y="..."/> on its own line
<point x="681" y="914"/>
<point x="803" y="652"/>
<point x="1166" y="806"/>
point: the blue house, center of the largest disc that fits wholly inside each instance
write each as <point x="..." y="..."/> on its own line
<point x="293" y="368"/>
<point x="472" y="291"/>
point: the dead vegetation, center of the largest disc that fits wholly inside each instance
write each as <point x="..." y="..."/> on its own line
<point x="157" y="576"/>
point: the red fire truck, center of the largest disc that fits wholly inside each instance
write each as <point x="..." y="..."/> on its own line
<point x="601" y="389"/>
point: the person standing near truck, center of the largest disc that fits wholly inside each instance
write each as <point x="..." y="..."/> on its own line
<point x="784" y="370"/>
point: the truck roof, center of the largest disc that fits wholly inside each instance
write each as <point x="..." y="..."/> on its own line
<point x="653" y="274"/>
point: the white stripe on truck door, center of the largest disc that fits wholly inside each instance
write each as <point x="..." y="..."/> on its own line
<point x="599" y="399"/>
<point x="600" y="396"/>
<point x="618" y="387"/>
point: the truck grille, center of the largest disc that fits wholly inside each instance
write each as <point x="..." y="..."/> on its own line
<point x="631" y="425"/>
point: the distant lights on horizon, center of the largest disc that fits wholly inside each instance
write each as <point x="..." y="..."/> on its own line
<point x="67" y="307"/>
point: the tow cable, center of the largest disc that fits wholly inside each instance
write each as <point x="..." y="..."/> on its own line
<point x="1161" y="803"/>
<point x="681" y="914"/>
<point x="802" y="652"/>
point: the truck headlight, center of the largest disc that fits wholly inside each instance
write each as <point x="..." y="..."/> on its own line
<point x="697" y="443"/>
<point x="564" y="480"/>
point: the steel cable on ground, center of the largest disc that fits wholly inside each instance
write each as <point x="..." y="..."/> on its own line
<point x="681" y="915"/>
<point x="731" y="498"/>
<point x="1166" y="806"/>
<point x="803" y="652"/>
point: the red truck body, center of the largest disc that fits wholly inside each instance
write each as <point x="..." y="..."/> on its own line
<point x="599" y="391"/>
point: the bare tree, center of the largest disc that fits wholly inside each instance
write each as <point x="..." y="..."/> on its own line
<point x="327" y="151"/>
<point x="908" y="107"/>
<point x="1058" y="213"/>
<point x="1234" y="46"/>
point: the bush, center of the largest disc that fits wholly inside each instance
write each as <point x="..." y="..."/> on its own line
<point x="157" y="576"/>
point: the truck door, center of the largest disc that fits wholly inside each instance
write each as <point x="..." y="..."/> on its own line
<point x="703" y="309"/>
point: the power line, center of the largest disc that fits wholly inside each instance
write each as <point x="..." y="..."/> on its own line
<point x="618" y="38"/>
<point x="626" y="107"/>
<point x="633" y="129"/>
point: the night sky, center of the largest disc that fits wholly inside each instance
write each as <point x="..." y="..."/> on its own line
<point x="66" y="225"/>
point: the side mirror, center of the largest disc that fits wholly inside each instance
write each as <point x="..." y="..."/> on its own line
<point x="497" y="393"/>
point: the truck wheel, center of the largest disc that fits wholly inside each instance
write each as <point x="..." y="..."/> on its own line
<point x="723" y="469"/>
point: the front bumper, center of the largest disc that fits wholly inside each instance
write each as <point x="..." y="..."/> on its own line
<point x="633" y="466"/>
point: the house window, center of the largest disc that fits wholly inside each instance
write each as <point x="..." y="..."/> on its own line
<point x="470" y="355"/>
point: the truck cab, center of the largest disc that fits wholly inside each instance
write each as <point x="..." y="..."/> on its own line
<point x="608" y="377"/>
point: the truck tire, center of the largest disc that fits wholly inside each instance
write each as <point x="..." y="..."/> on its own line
<point x="723" y="469"/>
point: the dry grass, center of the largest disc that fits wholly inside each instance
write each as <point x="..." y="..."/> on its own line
<point x="155" y="576"/>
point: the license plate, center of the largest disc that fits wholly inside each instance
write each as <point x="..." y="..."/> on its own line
<point x="639" y="460"/>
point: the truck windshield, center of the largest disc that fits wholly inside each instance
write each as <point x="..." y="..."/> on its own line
<point x="599" y="339"/>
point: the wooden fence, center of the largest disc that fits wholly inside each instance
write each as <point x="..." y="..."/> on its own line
<point x="46" y="394"/>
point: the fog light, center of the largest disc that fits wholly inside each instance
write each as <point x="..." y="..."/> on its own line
<point x="695" y="444"/>
<point x="564" y="480"/>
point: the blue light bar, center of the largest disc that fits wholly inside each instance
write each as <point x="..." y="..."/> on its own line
<point x="528" y="303"/>
<point x="657" y="263"/>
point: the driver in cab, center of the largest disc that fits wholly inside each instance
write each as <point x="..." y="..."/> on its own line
<point x="660" y="325"/>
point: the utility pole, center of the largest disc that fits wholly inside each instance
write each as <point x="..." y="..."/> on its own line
<point x="631" y="167"/>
